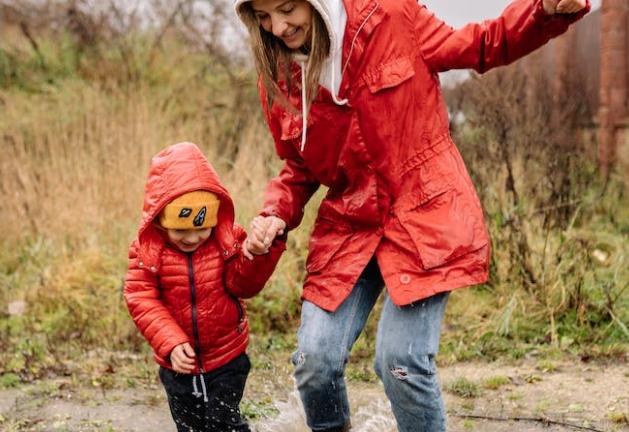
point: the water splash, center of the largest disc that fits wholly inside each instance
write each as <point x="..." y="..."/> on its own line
<point x="290" y="418"/>
<point x="371" y="413"/>
<point x="375" y="417"/>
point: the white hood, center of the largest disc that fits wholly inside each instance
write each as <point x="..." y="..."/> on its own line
<point x="335" y="17"/>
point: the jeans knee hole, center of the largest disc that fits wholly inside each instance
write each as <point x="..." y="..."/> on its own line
<point x="301" y="359"/>
<point x="400" y="373"/>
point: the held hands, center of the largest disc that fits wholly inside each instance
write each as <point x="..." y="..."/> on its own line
<point x="552" y="7"/>
<point x="262" y="232"/>
<point x="182" y="357"/>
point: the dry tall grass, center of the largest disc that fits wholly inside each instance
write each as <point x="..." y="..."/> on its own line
<point x="72" y="174"/>
<point x="75" y="161"/>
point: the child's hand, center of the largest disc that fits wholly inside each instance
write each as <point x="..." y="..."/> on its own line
<point x="262" y="232"/>
<point x="182" y="358"/>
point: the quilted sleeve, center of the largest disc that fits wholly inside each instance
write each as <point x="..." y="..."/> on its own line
<point x="245" y="278"/>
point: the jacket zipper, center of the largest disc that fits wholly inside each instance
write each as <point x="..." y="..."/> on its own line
<point x="193" y="300"/>
<point x="241" y="312"/>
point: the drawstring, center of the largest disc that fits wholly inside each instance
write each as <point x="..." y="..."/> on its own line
<point x="195" y="389"/>
<point x="351" y="47"/>
<point x="304" y="107"/>
<point x="334" y="98"/>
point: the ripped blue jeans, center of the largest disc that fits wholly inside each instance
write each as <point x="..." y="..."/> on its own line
<point x="406" y="345"/>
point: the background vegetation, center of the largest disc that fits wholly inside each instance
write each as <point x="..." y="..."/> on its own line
<point x="88" y="97"/>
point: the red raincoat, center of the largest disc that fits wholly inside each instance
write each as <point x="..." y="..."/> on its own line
<point x="397" y="185"/>
<point x="175" y="297"/>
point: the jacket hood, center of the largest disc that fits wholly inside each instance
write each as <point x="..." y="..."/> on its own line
<point x="179" y="169"/>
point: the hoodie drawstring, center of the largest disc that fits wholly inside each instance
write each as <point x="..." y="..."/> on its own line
<point x="334" y="98"/>
<point x="195" y="388"/>
<point x="304" y="105"/>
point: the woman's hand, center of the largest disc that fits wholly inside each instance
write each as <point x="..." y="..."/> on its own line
<point x="262" y="232"/>
<point x="182" y="357"/>
<point x="552" y="7"/>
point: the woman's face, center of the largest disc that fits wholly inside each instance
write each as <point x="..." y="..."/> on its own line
<point x="288" y="20"/>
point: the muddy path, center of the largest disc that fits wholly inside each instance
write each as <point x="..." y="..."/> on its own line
<point x="524" y="397"/>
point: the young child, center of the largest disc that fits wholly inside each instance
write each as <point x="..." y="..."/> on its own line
<point x="187" y="275"/>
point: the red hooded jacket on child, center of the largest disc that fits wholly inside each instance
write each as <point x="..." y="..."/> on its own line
<point x="176" y="297"/>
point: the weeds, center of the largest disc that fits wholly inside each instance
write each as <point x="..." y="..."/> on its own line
<point x="619" y="418"/>
<point x="9" y="380"/>
<point x="464" y="388"/>
<point x="556" y="274"/>
<point x="494" y="383"/>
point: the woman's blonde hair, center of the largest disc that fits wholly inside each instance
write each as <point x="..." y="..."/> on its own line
<point x="273" y="58"/>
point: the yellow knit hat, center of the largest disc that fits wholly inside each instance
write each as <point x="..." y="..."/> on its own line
<point x="192" y="210"/>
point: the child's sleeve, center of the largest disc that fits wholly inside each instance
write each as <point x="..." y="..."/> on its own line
<point x="153" y="319"/>
<point x="245" y="278"/>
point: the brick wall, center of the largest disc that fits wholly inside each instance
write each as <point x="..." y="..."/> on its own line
<point x="595" y="54"/>
<point x="613" y="113"/>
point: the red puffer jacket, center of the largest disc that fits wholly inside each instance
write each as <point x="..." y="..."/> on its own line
<point x="175" y="297"/>
<point x="397" y="185"/>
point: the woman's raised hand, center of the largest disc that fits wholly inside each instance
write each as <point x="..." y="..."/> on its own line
<point x="552" y="7"/>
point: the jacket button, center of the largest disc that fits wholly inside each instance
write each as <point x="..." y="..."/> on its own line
<point x="236" y="245"/>
<point x="153" y="269"/>
<point x="226" y="253"/>
<point x="405" y="279"/>
<point x="140" y="264"/>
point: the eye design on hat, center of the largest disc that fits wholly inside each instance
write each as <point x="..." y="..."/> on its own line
<point x="199" y="219"/>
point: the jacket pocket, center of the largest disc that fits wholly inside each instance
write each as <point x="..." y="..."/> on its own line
<point x="444" y="226"/>
<point x="389" y="74"/>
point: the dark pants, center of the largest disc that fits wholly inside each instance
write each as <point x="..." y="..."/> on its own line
<point x="208" y="402"/>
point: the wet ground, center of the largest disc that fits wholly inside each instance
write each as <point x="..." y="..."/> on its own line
<point x="515" y="398"/>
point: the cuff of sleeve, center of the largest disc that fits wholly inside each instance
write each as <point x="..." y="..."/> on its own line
<point x="540" y="14"/>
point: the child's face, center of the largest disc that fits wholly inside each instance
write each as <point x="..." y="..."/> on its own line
<point x="189" y="240"/>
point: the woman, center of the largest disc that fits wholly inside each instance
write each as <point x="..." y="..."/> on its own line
<point x="352" y="98"/>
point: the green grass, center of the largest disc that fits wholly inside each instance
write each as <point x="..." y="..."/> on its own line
<point x="464" y="388"/>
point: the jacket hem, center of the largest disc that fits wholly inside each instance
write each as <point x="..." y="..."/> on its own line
<point x="325" y="303"/>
